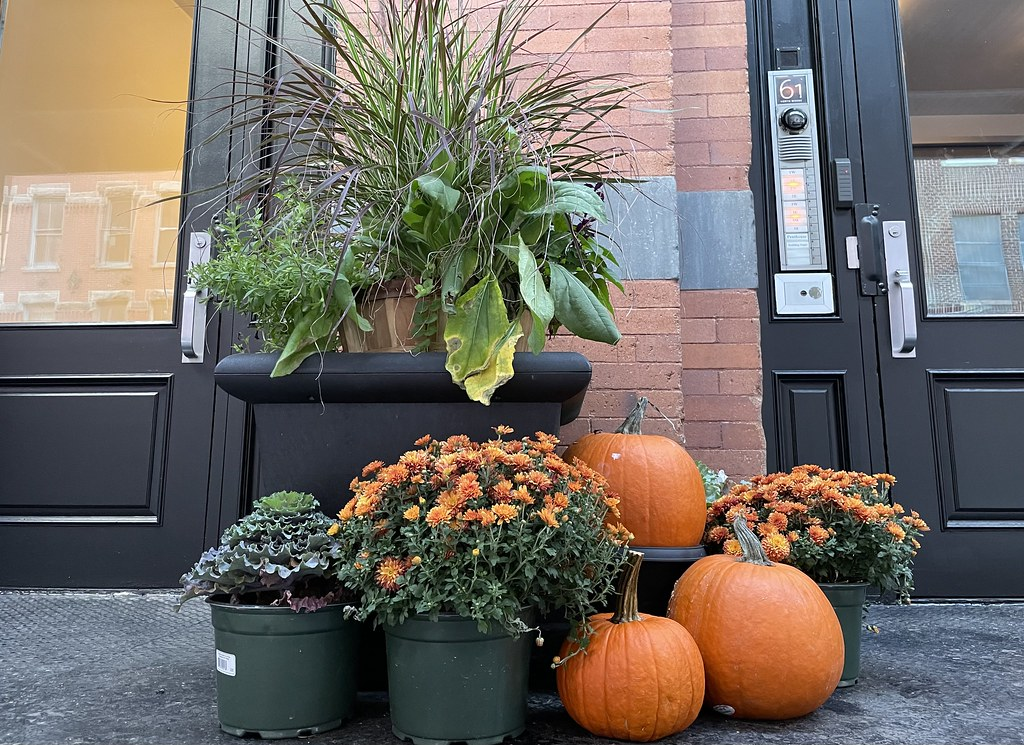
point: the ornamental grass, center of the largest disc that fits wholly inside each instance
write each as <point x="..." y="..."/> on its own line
<point x="481" y="530"/>
<point x="835" y="526"/>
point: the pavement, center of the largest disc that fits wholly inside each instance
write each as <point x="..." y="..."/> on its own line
<point x="125" y="668"/>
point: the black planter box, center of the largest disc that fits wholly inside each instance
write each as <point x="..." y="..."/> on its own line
<point x="318" y="427"/>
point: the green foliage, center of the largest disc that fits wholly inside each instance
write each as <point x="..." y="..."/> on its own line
<point x="714" y="481"/>
<point x="440" y="151"/>
<point x="281" y="553"/>
<point x="481" y="530"/>
<point x="835" y="526"/>
<point x="287" y="273"/>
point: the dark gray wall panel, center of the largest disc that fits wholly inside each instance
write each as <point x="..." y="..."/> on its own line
<point x="83" y="448"/>
<point x="811" y="424"/>
<point x="980" y="449"/>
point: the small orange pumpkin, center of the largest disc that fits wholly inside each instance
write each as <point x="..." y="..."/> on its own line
<point x="658" y="482"/>
<point x="641" y="677"/>
<point x="771" y="642"/>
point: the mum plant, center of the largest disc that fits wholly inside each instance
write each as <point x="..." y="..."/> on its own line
<point x="836" y="526"/>
<point x="279" y="554"/>
<point x="481" y="530"/>
<point x="435" y="150"/>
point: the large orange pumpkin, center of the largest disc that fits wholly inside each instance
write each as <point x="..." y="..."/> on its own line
<point x="771" y="642"/>
<point x="641" y="677"/>
<point x="660" y="486"/>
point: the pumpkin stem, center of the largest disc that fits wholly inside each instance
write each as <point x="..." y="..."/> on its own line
<point x="625" y="605"/>
<point x="636" y="417"/>
<point x="753" y="552"/>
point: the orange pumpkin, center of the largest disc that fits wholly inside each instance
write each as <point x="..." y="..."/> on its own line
<point x="641" y="677"/>
<point x="659" y="484"/>
<point x="771" y="642"/>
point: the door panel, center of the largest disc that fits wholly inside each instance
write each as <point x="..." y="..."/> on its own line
<point x="107" y="435"/>
<point x="951" y="412"/>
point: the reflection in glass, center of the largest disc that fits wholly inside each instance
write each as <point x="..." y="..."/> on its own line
<point x="87" y="146"/>
<point x="966" y="93"/>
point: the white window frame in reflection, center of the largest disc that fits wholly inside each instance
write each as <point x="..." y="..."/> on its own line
<point x="53" y="235"/>
<point x="113" y="197"/>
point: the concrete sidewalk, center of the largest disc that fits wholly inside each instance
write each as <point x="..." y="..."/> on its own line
<point x="124" y="668"/>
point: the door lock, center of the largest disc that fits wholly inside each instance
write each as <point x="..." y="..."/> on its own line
<point x="902" y="302"/>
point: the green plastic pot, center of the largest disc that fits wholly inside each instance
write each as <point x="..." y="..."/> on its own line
<point x="448" y="682"/>
<point x="281" y="673"/>
<point x="847" y="599"/>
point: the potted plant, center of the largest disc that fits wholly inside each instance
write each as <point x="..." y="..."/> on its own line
<point x="435" y="155"/>
<point x="838" y="527"/>
<point x="279" y="617"/>
<point x="458" y="546"/>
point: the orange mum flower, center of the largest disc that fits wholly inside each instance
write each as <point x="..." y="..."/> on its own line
<point x="521" y="462"/>
<point x="487" y="518"/>
<point x="502" y="491"/>
<point x="393" y="475"/>
<point x="886" y="479"/>
<point x="556" y="465"/>
<point x="437" y="515"/>
<point x="503" y="429"/>
<point x="416" y="460"/>
<point x="522" y="494"/>
<point x="505" y="512"/>
<point x="372" y="467"/>
<point x="818" y="534"/>
<point x="334" y="529"/>
<point x="896" y="531"/>
<point x="717" y="534"/>
<point x="779" y="520"/>
<point x="425" y="440"/>
<point x="348" y="510"/>
<point x="413" y="513"/>
<point x="547" y="516"/>
<point x="775" y="546"/>
<point x="468" y="487"/>
<point x="732" y="547"/>
<point x="388" y="572"/>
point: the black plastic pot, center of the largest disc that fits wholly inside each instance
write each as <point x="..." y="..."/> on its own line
<point x="448" y="682"/>
<point x="281" y="673"/>
<point x="847" y="599"/>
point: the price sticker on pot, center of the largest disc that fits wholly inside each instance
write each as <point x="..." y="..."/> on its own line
<point x="225" y="663"/>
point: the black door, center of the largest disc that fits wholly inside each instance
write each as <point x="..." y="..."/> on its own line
<point x="113" y="444"/>
<point x="920" y="368"/>
<point x="956" y="179"/>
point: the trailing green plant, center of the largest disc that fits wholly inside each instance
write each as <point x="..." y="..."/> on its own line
<point x="435" y="148"/>
<point x="482" y="530"/>
<point x="282" y="553"/>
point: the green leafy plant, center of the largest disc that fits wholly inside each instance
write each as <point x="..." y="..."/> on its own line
<point x="714" y="481"/>
<point x="282" y="553"/>
<point x="434" y="148"/>
<point x="482" y="530"/>
<point x="836" y="526"/>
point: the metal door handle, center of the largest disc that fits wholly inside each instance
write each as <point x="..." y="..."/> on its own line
<point x="902" y="302"/>
<point x="904" y="334"/>
<point x="193" y="310"/>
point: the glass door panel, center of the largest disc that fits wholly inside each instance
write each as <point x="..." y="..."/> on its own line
<point x="89" y="145"/>
<point x="964" y="64"/>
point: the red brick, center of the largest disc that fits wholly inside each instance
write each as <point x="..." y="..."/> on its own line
<point x="693" y="153"/>
<point x="697" y="330"/>
<point x="711" y="81"/>
<point x="713" y="178"/>
<point x="734" y="129"/>
<point x="573" y="431"/>
<point x="603" y="39"/>
<point x="743" y="436"/>
<point x="653" y="136"/>
<point x="729" y="105"/>
<point x="647" y="321"/>
<point x="730" y="153"/>
<point x="650" y="13"/>
<point x="738" y="464"/>
<point x="581" y="15"/>
<point x="647" y="293"/>
<point x="720" y="356"/>
<point x="659" y="426"/>
<point x="699" y="382"/>
<point x="726" y="58"/>
<point x="703" y="435"/>
<point x="624" y="351"/>
<point x="653" y="112"/>
<point x="743" y="382"/>
<point x="726" y="12"/>
<point x="739" y="330"/>
<point x="690" y="107"/>
<point x="655" y="163"/>
<point x="642" y="378"/>
<point x="723" y="408"/>
<point x="658" y="348"/>
<point x="719" y="304"/>
<point x="685" y="60"/>
<point x="686" y="14"/>
<point x="605" y="404"/>
<point x="707" y="37"/>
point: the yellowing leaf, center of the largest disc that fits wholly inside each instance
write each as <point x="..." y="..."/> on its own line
<point x="481" y="386"/>
<point x="475" y="329"/>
